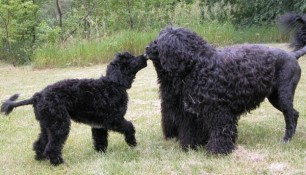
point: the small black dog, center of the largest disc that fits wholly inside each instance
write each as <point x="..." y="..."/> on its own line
<point x="100" y="103"/>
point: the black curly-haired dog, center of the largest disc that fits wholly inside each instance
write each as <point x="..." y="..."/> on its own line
<point x="204" y="90"/>
<point x="100" y="103"/>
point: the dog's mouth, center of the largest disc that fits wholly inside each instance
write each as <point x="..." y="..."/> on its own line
<point x="143" y="62"/>
<point x="146" y="56"/>
<point x="150" y="53"/>
<point x="145" y="53"/>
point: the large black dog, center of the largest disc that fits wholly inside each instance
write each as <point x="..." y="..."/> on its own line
<point x="204" y="90"/>
<point x="100" y="103"/>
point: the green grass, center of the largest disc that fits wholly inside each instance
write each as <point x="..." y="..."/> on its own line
<point x="259" y="147"/>
<point x="85" y="53"/>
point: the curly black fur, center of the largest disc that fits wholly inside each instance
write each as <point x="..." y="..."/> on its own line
<point x="8" y="106"/>
<point x="296" y="24"/>
<point x="205" y="90"/>
<point x="100" y="103"/>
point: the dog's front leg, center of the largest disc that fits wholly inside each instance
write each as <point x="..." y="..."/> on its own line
<point x="187" y="133"/>
<point x="126" y="128"/>
<point x="169" y="126"/>
<point x="99" y="136"/>
<point x="223" y="134"/>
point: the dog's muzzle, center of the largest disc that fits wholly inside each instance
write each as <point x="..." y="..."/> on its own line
<point x="145" y="53"/>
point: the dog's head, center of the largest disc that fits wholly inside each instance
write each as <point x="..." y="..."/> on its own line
<point x="122" y="70"/>
<point x="176" y="49"/>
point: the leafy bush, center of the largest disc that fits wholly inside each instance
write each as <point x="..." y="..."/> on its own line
<point x="17" y="26"/>
<point x="256" y="12"/>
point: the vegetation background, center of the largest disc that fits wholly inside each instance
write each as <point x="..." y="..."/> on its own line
<point x="61" y="33"/>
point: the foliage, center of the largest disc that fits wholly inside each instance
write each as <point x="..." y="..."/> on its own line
<point x="84" y="52"/>
<point x="256" y="12"/>
<point x="262" y="12"/>
<point x="17" y="29"/>
<point x="46" y="34"/>
<point x="28" y="27"/>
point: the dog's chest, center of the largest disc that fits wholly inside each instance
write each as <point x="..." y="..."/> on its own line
<point x="94" y="122"/>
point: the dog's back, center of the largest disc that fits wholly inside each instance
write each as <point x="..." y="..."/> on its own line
<point x="243" y="76"/>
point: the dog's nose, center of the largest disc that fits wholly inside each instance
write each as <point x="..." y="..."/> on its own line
<point x="147" y="47"/>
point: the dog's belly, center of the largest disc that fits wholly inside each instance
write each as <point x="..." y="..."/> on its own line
<point x="94" y="125"/>
<point x="89" y="118"/>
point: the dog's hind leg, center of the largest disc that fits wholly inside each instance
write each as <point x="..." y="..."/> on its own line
<point x="282" y="99"/>
<point x="57" y="123"/>
<point x="125" y="127"/>
<point x="99" y="136"/>
<point x="283" y="94"/>
<point x="57" y="135"/>
<point x="40" y="144"/>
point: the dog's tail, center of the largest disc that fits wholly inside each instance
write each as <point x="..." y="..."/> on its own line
<point x="296" y="25"/>
<point x="8" y="106"/>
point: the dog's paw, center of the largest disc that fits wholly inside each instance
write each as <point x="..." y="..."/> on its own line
<point x="220" y="150"/>
<point x="189" y="147"/>
<point x="55" y="161"/>
<point x="40" y="157"/>
<point x="131" y="142"/>
<point x="101" y="149"/>
<point x="286" y="140"/>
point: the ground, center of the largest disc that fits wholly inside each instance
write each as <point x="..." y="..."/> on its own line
<point x="259" y="147"/>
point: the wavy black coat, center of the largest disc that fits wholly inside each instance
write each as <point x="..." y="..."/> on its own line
<point x="100" y="103"/>
<point x="204" y="90"/>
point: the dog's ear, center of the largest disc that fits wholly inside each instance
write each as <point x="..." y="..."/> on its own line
<point x="115" y="74"/>
<point x="124" y="55"/>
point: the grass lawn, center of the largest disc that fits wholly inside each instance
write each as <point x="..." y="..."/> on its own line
<point x="259" y="147"/>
